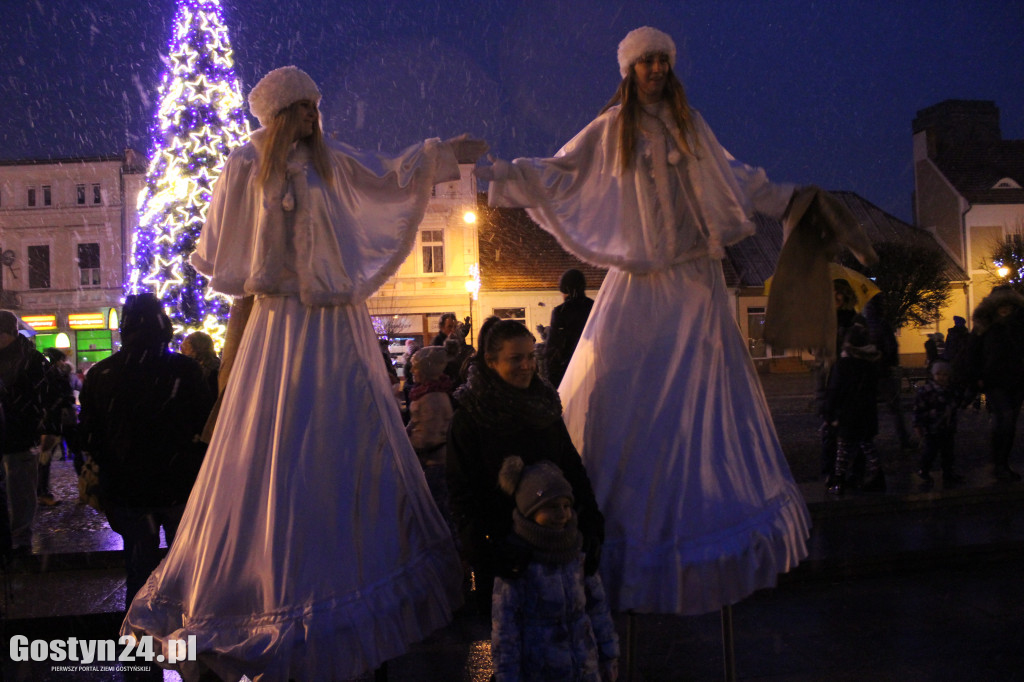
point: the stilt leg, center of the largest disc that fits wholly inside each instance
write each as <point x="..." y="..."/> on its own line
<point x="728" y="648"/>
<point x="631" y="635"/>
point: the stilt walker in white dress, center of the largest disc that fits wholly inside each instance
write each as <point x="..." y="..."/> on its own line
<point x="310" y="548"/>
<point x="661" y="397"/>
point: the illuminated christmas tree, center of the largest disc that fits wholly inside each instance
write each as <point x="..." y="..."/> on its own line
<point x="1008" y="262"/>
<point x="199" y="121"/>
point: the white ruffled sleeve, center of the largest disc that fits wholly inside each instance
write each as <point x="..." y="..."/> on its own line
<point x="579" y="197"/>
<point x="224" y="250"/>
<point x="373" y="218"/>
<point x="762" y="195"/>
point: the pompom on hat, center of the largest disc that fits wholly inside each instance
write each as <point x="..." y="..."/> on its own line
<point x="531" y="486"/>
<point x="279" y="89"/>
<point x="641" y="41"/>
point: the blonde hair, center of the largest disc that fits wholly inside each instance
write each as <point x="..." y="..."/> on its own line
<point x="629" y="113"/>
<point x="281" y="134"/>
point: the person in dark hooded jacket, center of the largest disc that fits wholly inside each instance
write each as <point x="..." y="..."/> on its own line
<point x="851" y="408"/>
<point x="567" y="323"/>
<point x="142" y="410"/>
<point x="995" y="366"/>
<point x="28" y="426"/>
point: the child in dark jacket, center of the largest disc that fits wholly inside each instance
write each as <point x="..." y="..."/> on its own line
<point x="552" y="622"/>
<point x="935" y="408"/>
<point x="850" y="407"/>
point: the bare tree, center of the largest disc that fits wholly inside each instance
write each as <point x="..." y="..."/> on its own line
<point x="912" y="278"/>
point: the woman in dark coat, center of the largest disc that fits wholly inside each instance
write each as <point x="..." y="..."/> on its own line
<point x="506" y="409"/>
<point x="851" y="409"/>
<point x="567" y="323"/>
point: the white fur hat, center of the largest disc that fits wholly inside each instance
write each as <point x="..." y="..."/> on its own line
<point x="641" y="41"/>
<point x="278" y="89"/>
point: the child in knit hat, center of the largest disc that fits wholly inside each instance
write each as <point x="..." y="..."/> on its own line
<point x="935" y="408"/>
<point x="430" y="413"/>
<point x="552" y="622"/>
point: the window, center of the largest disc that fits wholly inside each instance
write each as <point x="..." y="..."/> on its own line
<point x="39" y="267"/>
<point x="97" y="197"/>
<point x="31" y="197"/>
<point x="755" y="332"/>
<point x="517" y="314"/>
<point x="47" y="196"/>
<point x="89" y="264"/>
<point x="755" y="339"/>
<point x="433" y="250"/>
<point x="80" y="193"/>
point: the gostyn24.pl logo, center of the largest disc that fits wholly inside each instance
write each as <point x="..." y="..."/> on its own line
<point x="126" y="649"/>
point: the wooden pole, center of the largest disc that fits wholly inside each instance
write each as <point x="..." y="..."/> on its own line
<point x="631" y="635"/>
<point x="728" y="645"/>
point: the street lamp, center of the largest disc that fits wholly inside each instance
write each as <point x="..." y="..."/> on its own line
<point x="1003" y="271"/>
<point x="473" y="288"/>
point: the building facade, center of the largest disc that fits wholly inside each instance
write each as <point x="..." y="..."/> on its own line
<point x="968" y="188"/>
<point x="438" y="277"/>
<point x="65" y="226"/>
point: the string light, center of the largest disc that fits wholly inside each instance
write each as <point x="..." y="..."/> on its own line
<point x="200" y="119"/>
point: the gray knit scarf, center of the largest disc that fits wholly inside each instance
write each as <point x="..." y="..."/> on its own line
<point x="550" y="545"/>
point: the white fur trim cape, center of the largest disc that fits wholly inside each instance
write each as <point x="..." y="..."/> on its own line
<point x="297" y="236"/>
<point x="630" y="220"/>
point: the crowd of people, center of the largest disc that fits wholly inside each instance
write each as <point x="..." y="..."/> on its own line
<point x="962" y="366"/>
<point x="334" y="516"/>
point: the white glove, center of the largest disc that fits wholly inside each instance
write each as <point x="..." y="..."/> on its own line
<point x="467" y="149"/>
<point x="498" y="170"/>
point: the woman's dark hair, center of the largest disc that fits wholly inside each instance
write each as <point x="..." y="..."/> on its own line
<point x="54" y="355"/>
<point x="842" y="288"/>
<point x="203" y="349"/>
<point x="493" y="334"/>
<point x="572" y="283"/>
<point x="445" y="318"/>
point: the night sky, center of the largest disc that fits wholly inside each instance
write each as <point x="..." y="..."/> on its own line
<point x="815" y="91"/>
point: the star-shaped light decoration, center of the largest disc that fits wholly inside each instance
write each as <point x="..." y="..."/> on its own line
<point x="200" y="118"/>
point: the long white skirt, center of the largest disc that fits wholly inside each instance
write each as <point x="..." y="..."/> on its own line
<point x="664" y="404"/>
<point x="310" y="548"/>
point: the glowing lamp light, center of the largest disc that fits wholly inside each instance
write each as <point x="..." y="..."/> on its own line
<point x="112" y="321"/>
<point x="473" y="283"/>
<point x="469" y="217"/>
<point x="62" y="341"/>
<point x="1003" y="271"/>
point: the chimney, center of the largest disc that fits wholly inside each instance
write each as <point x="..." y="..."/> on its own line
<point x="956" y="123"/>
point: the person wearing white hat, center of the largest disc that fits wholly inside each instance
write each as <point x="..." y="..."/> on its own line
<point x="310" y="547"/>
<point x="700" y="506"/>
